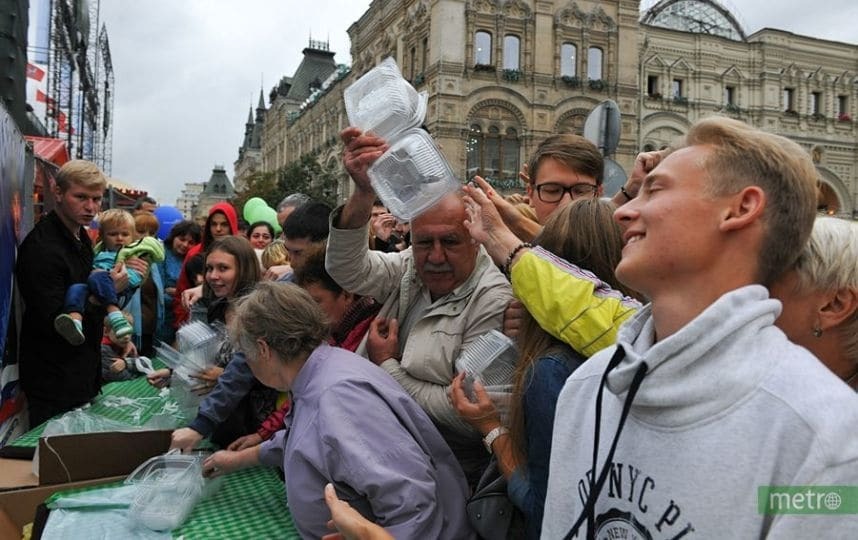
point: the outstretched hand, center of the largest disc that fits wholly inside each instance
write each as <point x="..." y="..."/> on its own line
<point x="484" y="222"/>
<point x="348" y="522"/>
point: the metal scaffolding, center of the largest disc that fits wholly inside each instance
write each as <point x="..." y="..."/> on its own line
<point x="104" y="148"/>
<point x="80" y="81"/>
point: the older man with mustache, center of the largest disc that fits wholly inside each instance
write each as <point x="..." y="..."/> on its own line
<point x="438" y="296"/>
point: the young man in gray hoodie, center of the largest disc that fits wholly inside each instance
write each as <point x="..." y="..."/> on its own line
<point x="678" y="429"/>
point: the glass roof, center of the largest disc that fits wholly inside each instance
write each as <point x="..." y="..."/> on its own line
<point x="697" y="16"/>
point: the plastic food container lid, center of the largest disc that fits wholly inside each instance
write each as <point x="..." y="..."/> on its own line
<point x="168" y="488"/>
<point x="383" y="102"/>
<point x="412" y="176"/>
<point x="162" y="467"/>
<point x="491" y="359"/>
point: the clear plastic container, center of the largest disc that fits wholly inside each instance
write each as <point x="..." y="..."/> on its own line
<point x="382" y="102"/>
<point x="490" y="359"/>
<point x="412" y="175"/>
<point x="199" y="343"/>
<point x="168" y="488"/>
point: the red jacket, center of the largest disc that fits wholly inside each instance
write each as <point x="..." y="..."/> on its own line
<point x="180" y="314"/>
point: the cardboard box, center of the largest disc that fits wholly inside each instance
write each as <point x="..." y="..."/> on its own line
<point x="17" y="473"/>
<point x="18" y="507"/>
<point x="71" y="461"/>
<point x="71" y="458"/>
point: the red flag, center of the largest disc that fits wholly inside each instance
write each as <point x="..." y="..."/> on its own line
<point x="50" y="103"/>
<point x="35" y="72"/>
<point x="43" y="97"/>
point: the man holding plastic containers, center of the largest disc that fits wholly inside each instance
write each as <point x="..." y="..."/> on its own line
<point x="438" y="296"/>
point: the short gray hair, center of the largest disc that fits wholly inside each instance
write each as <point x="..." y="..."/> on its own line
<point x="293" y="201"/>
<point x="283" y="315"/>
<point x="828" y="263"/>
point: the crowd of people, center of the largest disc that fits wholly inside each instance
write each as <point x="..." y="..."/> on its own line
<point x="680" y="346"/>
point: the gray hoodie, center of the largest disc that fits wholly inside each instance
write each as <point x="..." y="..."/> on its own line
<point x="727" y="405"/>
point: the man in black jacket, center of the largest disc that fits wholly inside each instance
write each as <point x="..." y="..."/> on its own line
<point x="55" y="375"/>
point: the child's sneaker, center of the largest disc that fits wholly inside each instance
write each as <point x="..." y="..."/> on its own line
<point x="119" y="324"/>
<point x="69" y="328"/>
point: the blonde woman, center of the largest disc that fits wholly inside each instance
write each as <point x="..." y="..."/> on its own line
<point x="584" y="234"/>
<point x="820" y="297"/>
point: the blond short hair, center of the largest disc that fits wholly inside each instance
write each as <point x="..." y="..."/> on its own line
<point x="115" y="218"/>
<point x="743" y="156"/>
<point x="274" y="254"/>
<point x="82" y="173"/>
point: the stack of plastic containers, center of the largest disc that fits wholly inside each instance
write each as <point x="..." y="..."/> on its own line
<point x="413" y="174"/>
<point x="168" y="488"/>
<point x="198" y="347"/>
<point x="490" y="359"/>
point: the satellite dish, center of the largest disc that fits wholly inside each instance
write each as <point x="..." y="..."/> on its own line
<point x="602" y="127"/>
<point x="614" y="177"/>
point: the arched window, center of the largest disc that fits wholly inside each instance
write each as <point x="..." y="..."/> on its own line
<point x="568" y="60"/>
<point x="511" y="46"/>
<point x="594" y="63"/>
<point x="493" y="154"/>
<point x="482" y="48"/>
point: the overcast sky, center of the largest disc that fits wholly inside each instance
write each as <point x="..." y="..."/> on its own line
<point x="188" y="70"/>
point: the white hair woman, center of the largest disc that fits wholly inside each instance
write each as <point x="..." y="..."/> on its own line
<point x="351" y="424"/>
<point x="820" y="297"/>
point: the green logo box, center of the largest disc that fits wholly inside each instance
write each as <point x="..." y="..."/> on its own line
<point x="807" y="499"/>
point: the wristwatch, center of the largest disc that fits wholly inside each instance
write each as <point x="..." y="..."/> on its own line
<point x="492" y="435"/>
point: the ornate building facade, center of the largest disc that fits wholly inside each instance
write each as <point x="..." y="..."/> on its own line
<point x="503" y="75"/>
<point x="696" y="60"/>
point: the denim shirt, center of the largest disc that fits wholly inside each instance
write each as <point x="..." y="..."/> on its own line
<point x="351" y="424"/>
<point x="546" y="377"/>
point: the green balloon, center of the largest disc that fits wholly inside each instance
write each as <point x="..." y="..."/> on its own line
<point x="251" y="206"/>
<point x="271" y="217"/>
<point x="255" y="214"/>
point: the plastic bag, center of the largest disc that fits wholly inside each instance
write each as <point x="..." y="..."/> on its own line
<point x="99" y="513"/>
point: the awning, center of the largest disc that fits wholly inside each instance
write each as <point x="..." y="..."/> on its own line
<point x="49" y="149"/>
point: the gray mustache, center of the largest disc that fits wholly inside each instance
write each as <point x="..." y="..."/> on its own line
<point x="431" y="267"/>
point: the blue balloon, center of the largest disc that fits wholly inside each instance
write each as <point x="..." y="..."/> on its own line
<point x="167" y="217"/>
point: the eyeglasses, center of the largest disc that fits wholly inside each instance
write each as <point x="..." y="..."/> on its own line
<point x="553" y="193"/>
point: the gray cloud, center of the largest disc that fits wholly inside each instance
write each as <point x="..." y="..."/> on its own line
<point x="187" y="70"/>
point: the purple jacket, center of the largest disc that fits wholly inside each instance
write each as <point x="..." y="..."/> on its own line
<point x="353" y="425"/>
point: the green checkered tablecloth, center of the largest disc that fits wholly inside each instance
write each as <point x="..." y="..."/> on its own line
<point x="249" y="504"/>
<point x="105" y="404"/>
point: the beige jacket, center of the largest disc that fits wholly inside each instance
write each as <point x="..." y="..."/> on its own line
<point x="427" y="365"/>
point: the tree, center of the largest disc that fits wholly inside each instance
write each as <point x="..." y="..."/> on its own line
<point x="259" y="184"/>
<point x="305" y="175"/>
<point x="308" y="176"/>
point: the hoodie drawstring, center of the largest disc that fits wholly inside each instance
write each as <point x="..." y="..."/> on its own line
<point x="597" y="482"/>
